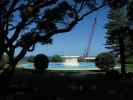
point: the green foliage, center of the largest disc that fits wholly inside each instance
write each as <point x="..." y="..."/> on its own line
<point x="105" y="61"/>
<point x="53" y="16"/>
<point x="47" y="25"/>
<point x="116" y="3"/>
<point x="118" y="26"/>
<point x="56" y="58"/>
<point x="129" y="60"/>
<point x="130" y="8"/>
<point x="41" y="62"/>
<point x="119" y="30"/>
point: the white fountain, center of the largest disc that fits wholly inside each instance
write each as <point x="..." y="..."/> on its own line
<point x="71" y="62"/>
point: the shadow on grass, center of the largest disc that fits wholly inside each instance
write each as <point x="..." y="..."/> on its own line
<point x="58" y="86"/>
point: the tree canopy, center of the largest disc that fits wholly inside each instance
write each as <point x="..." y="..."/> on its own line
<point x="118" y="25"/>
<point x="105" y="61"/>
<point x="119" y="30"/>
<point x="56" y="58"/>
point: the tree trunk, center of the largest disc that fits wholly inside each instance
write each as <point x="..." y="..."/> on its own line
<point x="12" y="66"/>
<point x="11" y="72"/>
<point x="122" y="55"/>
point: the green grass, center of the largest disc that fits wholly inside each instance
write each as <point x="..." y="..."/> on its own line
<point x="28" y="72"/>
<point x="129" y="67"/>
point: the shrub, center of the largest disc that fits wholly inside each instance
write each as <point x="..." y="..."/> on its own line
<point x="41" y="62"/>
<point x="105" y="61"/>
<point x="56" y="58"/>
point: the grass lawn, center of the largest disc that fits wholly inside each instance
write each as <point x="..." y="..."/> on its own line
<point x="129" y="67"/>
<point x="95" y="74"/>
<point x="22" y="71"/>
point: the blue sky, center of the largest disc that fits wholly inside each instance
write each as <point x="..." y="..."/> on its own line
<point x="75" y="41"/>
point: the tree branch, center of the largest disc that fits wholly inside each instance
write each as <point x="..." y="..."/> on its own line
<point x="47" y="36"/>
<point x="71" y="25"/>
<point x="81" y="6"/>
<point x="20" y="55"/>
<point x="19" y="27"/>
<point x="48" y="3"/>
<point x="95" y="9"/>
<point x="9" y="12"/>
<point x="41" y="5"/>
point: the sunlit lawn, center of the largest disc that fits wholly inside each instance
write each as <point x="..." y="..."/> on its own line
<point x="129" y="67"/>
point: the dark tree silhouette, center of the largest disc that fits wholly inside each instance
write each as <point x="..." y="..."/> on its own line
<point x="23" y="23"/>
<point x="119" y="30"/>
<point x="41" y="62"/>
<point x="105" y="61"/>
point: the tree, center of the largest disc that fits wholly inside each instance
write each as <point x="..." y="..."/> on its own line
<point x="116" y="3"/>
<point x="56" y="58"/>
<point x="118" y="34"/>
<point x="105" y="61"/>
<point x="24" y="23"/>
<point x="115" y="34"/>
<point x="130" y="18"/>
<point x="116" y="27"/>
<point x="41" y="62"/>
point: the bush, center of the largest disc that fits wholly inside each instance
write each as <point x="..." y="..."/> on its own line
<point x="41" y="62"/>
<point x="105" y="61"/>
<point x="56" y="58"/>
